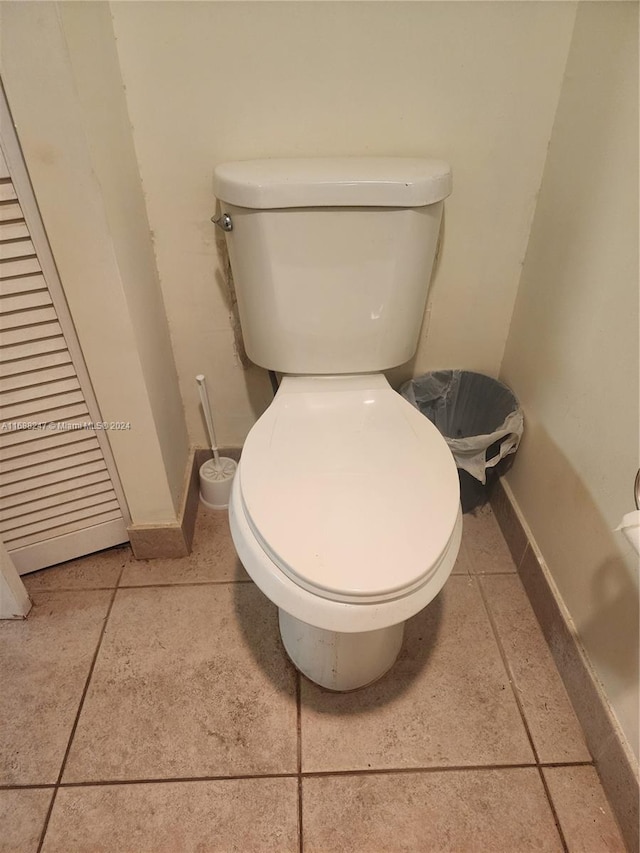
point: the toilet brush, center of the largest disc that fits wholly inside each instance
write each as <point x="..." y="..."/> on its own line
<point x="216" y="475"/>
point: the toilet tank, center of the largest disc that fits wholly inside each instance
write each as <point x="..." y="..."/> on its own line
<point x="331" y="258"/>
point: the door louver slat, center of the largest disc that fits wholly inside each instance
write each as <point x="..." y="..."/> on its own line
<point x="81" y="523"/>
<point x="88" y="508"/>
<point x="29" y="349"/>
<point x="32" y="363"/>
<point x="11" y="441"/>
<point x="11" y="286"/>
<point x="15" y="248"/>
<point x="57" y="500"/>
<point x="58" y="490"/>
<point x="59" y="463"/>
<point x="13" y="230"/>
<point x="7" y="192"/>
<point x="36" y="393"/>
<point x="23" y="411"/>
<point x="10" y="211"/>
<point x="23" y="266"/>
<point x="35" y="483"/>
<point x="29" y="333"/>
<point x="33" y="432"/>
<point x="84" y="441"/>
<point x="25" y="301"/>
<point x="27" y="317"/>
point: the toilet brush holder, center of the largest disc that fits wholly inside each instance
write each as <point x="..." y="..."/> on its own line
<point x="216" y="482"/>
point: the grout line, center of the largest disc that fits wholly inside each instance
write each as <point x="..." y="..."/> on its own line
<point x="386" y="771"/>
<point x="28" y="787"/>
<point x="513" y="573"/>
<point x="308" y="774"/>
<point x="505" y="662"/>
<point x="184" y="583"/>
<point x="79" y="711"/>
<point x="514" y="690"/>
<point x="101" y="783"/>
<point x="133" y="586"/>
<point x="121" y="573"/>
<point x="299" y="757"/>
<point x="48" y="590"/>
<point x="553" y="810"/>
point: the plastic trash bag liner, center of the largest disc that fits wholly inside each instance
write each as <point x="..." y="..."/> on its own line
<point x="479" y="417"/>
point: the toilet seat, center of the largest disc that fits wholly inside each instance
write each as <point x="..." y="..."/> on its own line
<point x="348" y="489"/>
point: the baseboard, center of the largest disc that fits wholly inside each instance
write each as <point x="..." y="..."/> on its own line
<point x="155" y="541"/>
<point x="612" y="756"/>
<point x="152" y="541"/>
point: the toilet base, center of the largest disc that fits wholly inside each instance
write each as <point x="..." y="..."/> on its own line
<point x="336" y="660"/>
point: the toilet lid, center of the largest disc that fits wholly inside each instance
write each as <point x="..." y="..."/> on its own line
<point x="350" y="490"/>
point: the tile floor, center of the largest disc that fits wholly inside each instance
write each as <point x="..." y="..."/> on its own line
<point x="149" y="707"/>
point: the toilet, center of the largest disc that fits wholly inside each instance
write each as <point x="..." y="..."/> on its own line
<point x="345" y="508"/>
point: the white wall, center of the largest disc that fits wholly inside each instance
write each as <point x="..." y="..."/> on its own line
<point x="90" y="41"/>
<point x="59" y="84"/>
<point x="471" y="82"/>
<point x="572" y="352"/>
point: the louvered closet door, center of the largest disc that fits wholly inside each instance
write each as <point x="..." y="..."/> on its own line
<point x="57" y="498"/>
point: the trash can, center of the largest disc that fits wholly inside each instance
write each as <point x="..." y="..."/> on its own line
<point x="481" y="421"/>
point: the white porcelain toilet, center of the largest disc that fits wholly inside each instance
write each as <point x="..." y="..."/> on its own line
<point x="345" y="508"/>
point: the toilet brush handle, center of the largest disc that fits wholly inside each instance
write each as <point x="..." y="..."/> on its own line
<point x="206" y="408"/>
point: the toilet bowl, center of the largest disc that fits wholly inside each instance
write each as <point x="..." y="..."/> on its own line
<point x="345" y="506"/>
<point x="345" y="512"/>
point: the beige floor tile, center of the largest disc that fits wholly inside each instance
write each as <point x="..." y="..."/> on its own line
<point x="445" y="702"/>
<point x="99" y="570"/>
<point x="190" y="681"/>
<point x="483" y="539"/>
<point x="481" y="811"/>
<point x="554" y="727"/>
<point x="244" y="815"/>
<point x="44" y="662"/>
<point x="22" y="816"/>
<point x="213" y="557"/>
<point x="583" y="811"/>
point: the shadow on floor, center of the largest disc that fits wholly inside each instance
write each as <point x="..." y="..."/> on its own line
<point x="420" y="638"/>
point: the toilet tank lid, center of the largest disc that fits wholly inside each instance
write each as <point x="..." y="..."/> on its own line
<point x="333" y="182"/>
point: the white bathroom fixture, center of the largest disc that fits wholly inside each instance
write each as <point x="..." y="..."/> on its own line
<point x="345" y="507"/>
<point x="216" y="475"/>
